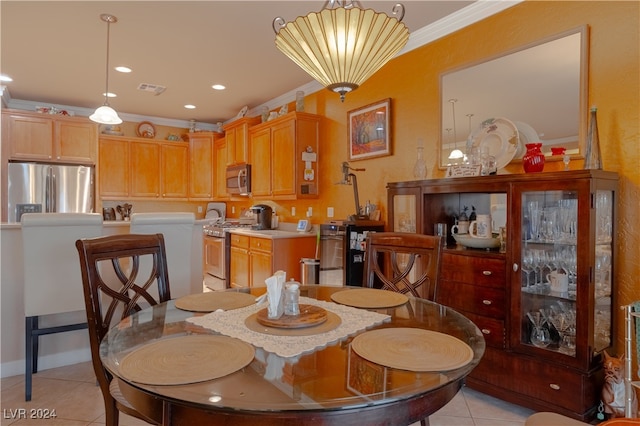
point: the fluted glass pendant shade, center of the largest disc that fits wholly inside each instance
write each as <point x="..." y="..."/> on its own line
<point x="105" y="114"/>
<point x="341" y="47"/>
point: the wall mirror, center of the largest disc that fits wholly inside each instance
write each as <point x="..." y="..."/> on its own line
<point x="540" y="89"/>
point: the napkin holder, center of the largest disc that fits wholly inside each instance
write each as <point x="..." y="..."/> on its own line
<point x="275" y="294"/>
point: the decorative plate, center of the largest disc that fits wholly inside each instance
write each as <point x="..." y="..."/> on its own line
<point x="472" y="242"/>
<point x="243" y="111"/>
<point x="146" y="129"/>
<point x="500" y="136"/>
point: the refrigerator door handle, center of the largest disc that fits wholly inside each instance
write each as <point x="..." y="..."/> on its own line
<point x="50" y="192"/>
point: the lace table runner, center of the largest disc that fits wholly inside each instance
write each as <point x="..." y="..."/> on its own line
<point x="232" y="323"/>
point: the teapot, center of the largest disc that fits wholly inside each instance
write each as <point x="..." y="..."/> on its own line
<point x="125" y="211"/>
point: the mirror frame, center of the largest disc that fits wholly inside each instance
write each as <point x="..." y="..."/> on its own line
<point x="583" y="30"/>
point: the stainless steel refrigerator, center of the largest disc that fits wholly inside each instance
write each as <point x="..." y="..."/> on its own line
<point x="48" y="188"/>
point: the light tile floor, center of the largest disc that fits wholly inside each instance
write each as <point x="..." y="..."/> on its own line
<point x="72" y="392"/>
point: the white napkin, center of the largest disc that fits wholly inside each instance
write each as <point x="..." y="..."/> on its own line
<point x="275" y="287"/>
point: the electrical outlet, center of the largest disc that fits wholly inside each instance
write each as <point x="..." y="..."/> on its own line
<point x="199" y="209"/>
<point x="329" y="211"/>
<point x="310" y="212"/>
<point x="293" y="211"/>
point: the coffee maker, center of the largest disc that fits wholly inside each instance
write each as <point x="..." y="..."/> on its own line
<point x="262" y="213"/>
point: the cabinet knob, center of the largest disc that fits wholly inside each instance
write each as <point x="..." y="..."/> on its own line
<point x="515" y="267"/>
<point x="486" y="331"/>
<point x="487" y="273"/>
<point x="554" y="386"/>
<point x="487" y="302"/>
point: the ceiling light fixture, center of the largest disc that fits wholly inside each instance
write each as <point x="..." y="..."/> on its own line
<point x="343" y="45"/>
<point x="105" y="114"/>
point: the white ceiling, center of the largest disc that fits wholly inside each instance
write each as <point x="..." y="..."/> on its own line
<point x="55" y="51"/>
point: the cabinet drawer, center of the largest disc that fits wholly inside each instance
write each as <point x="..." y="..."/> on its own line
<point x="493" y="330"/>
<point x="261" y="244"/>
<point x="241" y="241"/>
<point x="556" y="385"/>
<point x="488" y="272"/>
<point x="485" y="301"/>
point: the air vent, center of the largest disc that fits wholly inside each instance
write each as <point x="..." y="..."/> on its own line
<point x="153" y="88"/>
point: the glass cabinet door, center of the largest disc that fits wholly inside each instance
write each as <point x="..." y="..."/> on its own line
<point x="405" y="209"/>
<point x="565" y="270"/>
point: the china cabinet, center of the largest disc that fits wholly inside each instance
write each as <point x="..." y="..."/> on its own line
<point x="545" y="299"/>
<point x="284" y="157"/>
<point x="50" y="138"/>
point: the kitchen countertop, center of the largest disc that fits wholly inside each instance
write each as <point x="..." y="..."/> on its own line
<point x="272" y="233"/>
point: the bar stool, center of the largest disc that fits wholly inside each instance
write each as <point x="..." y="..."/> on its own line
<point x="52" y="280"/>
<point x="183" y="242"/>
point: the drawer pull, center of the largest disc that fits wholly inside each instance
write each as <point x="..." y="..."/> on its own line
<point x="487" y="302"/>
<point x="486" y="331"/>
<point x="516" y="267"/>
<point x="554" y="386"/>
<point x="486" y="273"/>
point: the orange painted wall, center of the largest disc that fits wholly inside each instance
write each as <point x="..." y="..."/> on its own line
<point x="412" y="81"/>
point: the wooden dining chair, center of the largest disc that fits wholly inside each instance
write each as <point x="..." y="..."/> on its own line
<point x="403" y="262"/>
<point x="114" y="288"/>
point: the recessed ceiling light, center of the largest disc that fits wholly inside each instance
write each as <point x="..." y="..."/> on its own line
<point x="5" y="78"/>
<point x="189" y="106"/>
<point x="218" y="87"/>
<point x="123" y="69"/>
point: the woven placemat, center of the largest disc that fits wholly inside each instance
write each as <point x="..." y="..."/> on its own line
<point x="369" y="298"/>
<point x="332" y="322"/>
<point x="186" y="359"/>
<point x="412" y="349"/>
<point x="214" y="300"/>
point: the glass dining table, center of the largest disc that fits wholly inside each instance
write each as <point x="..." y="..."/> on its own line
<point x="331" y="384"/>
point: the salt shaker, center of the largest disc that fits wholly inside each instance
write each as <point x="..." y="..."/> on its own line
<point x="291" y="298"/>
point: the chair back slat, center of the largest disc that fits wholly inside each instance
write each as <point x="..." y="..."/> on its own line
<point x="403" y="263"/>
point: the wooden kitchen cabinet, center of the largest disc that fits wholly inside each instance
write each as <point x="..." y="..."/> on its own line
<point x="543" y="343"/>
<point x="174" y="169"/>
<point x="137" y="168"/>
<point x="145" y="164"/>
<point x="203" y="168"/>
<point x="277" y="147"/>
<point x="50" y="138"/>
<point x="220" y="161"/>
<point x="255" y="258"/>
<point x="236" y="135"/>
<point x="113" y="167"/>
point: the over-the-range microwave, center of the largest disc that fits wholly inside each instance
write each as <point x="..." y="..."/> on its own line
<point x="239" y="179"/>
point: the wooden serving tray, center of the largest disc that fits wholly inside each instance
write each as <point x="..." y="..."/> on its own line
<point x="310" y="315"/>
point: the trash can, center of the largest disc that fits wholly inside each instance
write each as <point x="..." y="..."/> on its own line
<point x="309" y="271"/>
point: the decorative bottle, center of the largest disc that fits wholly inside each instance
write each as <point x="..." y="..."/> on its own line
<point x="592" y="159"/>
<point x="420" y="168"/>
<point x="533" y="159"/>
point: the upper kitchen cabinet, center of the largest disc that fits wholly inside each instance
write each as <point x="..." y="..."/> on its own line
<point x="284" y="157"/>
<point x="138" y="168"/>
<point x="203" y="164"/>
<point x="237" y="139"/>
<point x="51" y="138"/>
<point x="220" y="161"/>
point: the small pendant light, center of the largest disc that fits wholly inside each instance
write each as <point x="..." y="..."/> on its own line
<point x="105" y="114"/>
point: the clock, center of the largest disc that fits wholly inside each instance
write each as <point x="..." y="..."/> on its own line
<point x="146" y="129"/>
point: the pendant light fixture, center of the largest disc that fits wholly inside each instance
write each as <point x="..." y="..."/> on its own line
<point x="105" y="114"/>
<point x="343" y="45"/>
<point x="456" y="154"/>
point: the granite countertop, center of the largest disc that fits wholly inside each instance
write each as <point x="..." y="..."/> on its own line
<point x="272" y="233"/>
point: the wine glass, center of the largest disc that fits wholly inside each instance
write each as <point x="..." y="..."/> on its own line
<point x="539" y="336"/>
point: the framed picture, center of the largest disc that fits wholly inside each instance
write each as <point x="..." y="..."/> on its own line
<point x="368" y="128"/>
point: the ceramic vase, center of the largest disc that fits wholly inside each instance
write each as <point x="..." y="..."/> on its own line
<point x="533" y="159"/>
